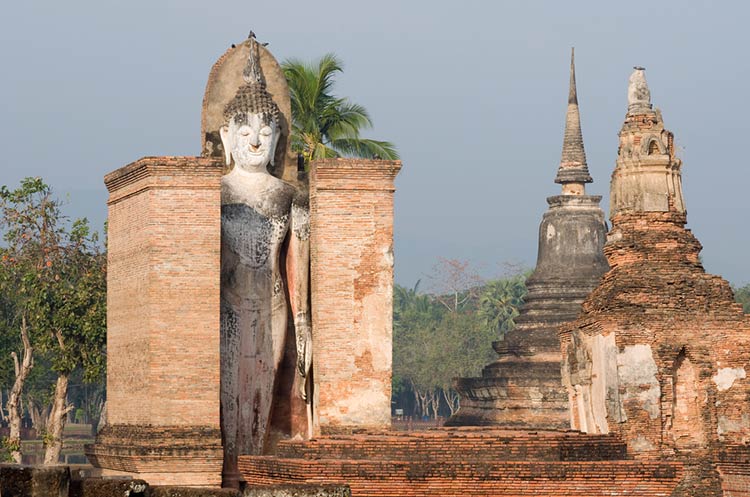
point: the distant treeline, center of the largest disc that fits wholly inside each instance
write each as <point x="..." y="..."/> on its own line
<point x="448" y="332"/>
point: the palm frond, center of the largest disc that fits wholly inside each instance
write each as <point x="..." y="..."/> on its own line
<point x="324" y="125"/>
<point x="363" y="147"/>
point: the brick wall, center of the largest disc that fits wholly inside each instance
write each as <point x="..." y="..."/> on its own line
<point x="457" y="462"/>
<point x="163" y="314"/>
<point x="352" y="288"/>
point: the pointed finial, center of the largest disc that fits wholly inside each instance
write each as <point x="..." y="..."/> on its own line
<point x="639" y="96"/>
<point x="253" y="96"/>
<point x="573" y="168"/>
<point x="252" y="72"/>
<point x="572" y="93"/>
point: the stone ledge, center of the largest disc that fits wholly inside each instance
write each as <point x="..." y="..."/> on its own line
<point x="29" y="481"/>
<point x="141" y="449"/>
<point x="288" y="490"/>
<point x="179" y="166"/>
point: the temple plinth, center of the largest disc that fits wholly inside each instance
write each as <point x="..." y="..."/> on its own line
<point x="523" y="387"/>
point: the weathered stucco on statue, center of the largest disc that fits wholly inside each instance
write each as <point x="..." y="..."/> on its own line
<point x="258" y="213"/>
<point x="223" y="81"/>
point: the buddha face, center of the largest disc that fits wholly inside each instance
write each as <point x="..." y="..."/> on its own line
<point x="250" y="141"/>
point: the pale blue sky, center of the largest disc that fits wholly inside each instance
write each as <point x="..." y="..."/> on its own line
<point x="473" y="93"/>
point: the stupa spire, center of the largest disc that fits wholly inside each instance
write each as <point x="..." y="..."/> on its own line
<point x="253" y="74"/>
<point x="639" y="96"/>
<point x="573" y="169"/>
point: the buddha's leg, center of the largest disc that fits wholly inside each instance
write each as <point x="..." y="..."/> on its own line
<point x="257" y="374"/>
<point x="229" y="398"/>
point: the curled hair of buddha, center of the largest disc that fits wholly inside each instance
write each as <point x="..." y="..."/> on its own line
<point x="252" y="97"/>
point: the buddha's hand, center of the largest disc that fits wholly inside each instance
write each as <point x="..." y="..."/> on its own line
<point x="303" y="335"/>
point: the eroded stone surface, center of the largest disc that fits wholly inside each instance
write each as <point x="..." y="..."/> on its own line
<point x="257" y="215"/>
<point x="34" y="481"/>
<point x="523" y="387"/>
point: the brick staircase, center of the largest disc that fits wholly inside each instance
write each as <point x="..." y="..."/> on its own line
<point x="466" y="461"/>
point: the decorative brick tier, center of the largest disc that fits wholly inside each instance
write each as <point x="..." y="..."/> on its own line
<point x="466" y="461"/>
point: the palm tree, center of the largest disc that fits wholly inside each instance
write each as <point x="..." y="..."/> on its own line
<point x="501" y="301"/>
<point x="323" y="125"/>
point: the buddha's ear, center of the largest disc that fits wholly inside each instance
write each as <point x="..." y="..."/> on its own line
<point x="276" y="135"/>
<point x="226" y="143"/>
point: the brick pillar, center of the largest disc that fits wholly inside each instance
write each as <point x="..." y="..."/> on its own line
<point x="163" y="323"/>
<point x="352" y="292"/>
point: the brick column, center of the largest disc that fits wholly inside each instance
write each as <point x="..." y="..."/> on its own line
<point x="352" y="292"/>
<point x="163" y="322"/>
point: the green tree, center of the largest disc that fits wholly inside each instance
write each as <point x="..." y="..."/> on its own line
<point x="416" y="319"/>
<point x="742" y="296"/>
<point x="29" y="222"/>
<point x="500" y="301"/>
<point x="56" y="276"/>
<point x="324" y="125"/>
<point x="446" y="335"/>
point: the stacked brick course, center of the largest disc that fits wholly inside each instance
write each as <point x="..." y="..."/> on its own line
<point x="351" y="220"/>
<point x="162" y="322"/>
<point x="466" y="461"/>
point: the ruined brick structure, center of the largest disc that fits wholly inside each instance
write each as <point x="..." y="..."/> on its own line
<point x="523" y="388"/>
<point x="351" y="243"/>
<point x="467" y="461"/>
<point x="164" y="292"/>
<point x="162" y="322"/>
<point x="351" y="229"/>
<point x="660" y="351"/>
<point x="163" y="302"/>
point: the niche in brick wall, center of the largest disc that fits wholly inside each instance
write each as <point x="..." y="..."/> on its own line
<point x="687" y="428"/>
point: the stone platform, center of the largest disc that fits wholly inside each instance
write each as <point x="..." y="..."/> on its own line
<point x="466" y="461"/>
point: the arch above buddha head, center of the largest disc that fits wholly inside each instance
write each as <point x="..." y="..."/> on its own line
<point x="224" y="80"/>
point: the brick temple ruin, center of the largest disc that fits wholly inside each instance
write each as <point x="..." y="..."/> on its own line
<point x="164" y="419"/>
<point x="650" y="376"/>
<point x="658" y="355"/>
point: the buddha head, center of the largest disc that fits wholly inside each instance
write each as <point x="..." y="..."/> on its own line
<point x="251" y="120"/>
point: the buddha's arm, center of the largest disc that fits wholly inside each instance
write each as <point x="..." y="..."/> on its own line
<point x="298" y="273"/>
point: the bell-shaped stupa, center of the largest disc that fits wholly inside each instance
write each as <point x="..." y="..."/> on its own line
<point x="523" y="387"/>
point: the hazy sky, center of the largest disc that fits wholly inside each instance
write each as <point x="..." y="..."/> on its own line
<point x="473" y="94"/>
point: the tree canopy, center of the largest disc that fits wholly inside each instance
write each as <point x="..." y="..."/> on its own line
<point x="439" y="336"/>
<point x="53" y="282"/>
